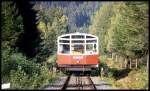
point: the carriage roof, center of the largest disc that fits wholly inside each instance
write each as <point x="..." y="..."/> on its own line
<point x="77" y="33"/>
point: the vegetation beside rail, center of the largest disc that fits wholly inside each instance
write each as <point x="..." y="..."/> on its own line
<point x="27" y="47"/>
<point x="122" y="28"/>
<point x="124" y="78"/>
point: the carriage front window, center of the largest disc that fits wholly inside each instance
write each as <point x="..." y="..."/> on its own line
<point x="77" y="49"/>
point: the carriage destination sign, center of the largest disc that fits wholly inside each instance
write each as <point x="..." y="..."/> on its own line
<point x="77" y="57"/>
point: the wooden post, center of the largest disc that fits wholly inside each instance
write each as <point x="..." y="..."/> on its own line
<point x="136" y="63"/>
<point x="148" y="61"/>
<point x="125" y="63"/>
<point x="130" y="63"/>
<point x="116" y="58"/>
<point x="119" y="61"/>
<point x="102" y="72"/>
<point x="52" y="70"/>
<point x="112" y="56"/>
<point x="122" y="61"/>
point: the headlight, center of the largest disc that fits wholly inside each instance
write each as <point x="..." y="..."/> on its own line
<point x="97" y="65"/>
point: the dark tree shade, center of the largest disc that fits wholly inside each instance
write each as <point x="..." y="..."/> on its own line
<point x="30" y="38"/>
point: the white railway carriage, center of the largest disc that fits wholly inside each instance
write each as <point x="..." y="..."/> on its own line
<point x="77" y="52"/>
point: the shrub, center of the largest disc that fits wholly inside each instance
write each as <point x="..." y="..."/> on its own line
<point x="26" y="74"/>
<point x="103" y="58"/>
<point x="52" y="59"/>
<point x="6" y="67"/>
<point x="19" y="79"/>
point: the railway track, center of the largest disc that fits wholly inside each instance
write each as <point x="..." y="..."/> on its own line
<point x="66" y="82"/>
<point x="92" y="84"/>
<point x="78" y="82"/>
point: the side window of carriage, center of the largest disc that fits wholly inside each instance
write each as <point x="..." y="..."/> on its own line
<point x="91" y="45"/>
<point x="64" y="46"/>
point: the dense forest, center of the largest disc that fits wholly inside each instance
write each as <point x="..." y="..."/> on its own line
<point x="29" y="35"/>
<point x="122" y="27"/>
<point x="75" y="11"/>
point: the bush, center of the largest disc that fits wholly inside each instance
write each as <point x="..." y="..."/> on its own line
<point x="141" y="78"/>
<point x="19" y="79"/>
<point x="26" y="74"/>
<point x="52" y="59"/>
<point x="103" y="58"/>
<point x="44" y="76"/>
<point x="6" y="67"/>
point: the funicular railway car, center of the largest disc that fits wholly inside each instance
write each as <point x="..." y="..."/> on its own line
<point x="77" y="52"/>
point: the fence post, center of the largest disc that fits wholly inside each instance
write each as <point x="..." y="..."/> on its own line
<point x="130" y="63"/>
<point x="122" y="61"/>
<point x="102" y="72"/>
<point x="148" y="61"/>
<point x="136" y="63"/>
<point x="112" y="56"/>
<point x="118" y="61"/>
<point x="116" y="58"/>
<point x="125" y="63"/>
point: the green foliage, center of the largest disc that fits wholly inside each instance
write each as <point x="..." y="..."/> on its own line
<point x="122" y="27"/>
<point x="39" y="78"/>
<point x="102" y="62"/>
<point x="52" y="59"/>
<point x="19" y="70"/>
<point x="78" y="13"/>
<point x="56" y="25"/>
<point x="103" y="58"/>
<point x="136" y="79"/>
<point x="100" y="24"/>
<point x="14" y="61"/>
<point x="19" y="79"/>
<point x="25" y="74"/>
<point x="130" y="35"/>
<point x="126" y="78"/>
<point x="12" y="25"/>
